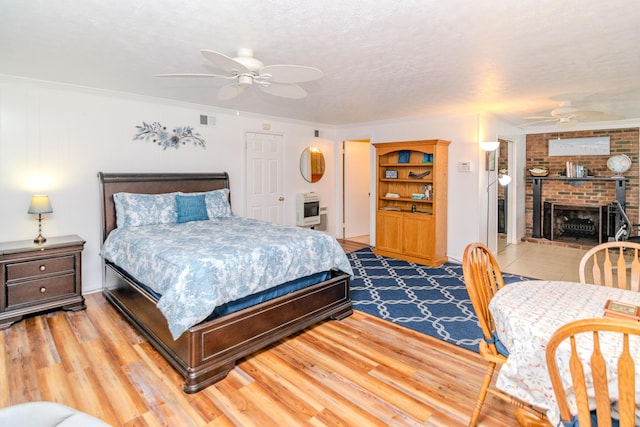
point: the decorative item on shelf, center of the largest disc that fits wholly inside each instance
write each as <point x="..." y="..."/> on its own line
<point x="619" y="164"/>
<point x="404" y="156"/>
<point x="40" y="205"/>
<point x="573" y="170"/>
<point x="539" y="171"/>
<point x="428" y="192"/>
<point x="391" y="174"/>
<point x="418" y="196"/>
<point x="414" y="175"/>
<point x="392" y="195"/>
<point x="427" y="158"/>
<point x="159" y="134"/>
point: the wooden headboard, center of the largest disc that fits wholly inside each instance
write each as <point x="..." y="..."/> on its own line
<point x="151" y="183"/>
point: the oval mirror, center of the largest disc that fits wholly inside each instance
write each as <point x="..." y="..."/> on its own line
<point x="312" y="164"/>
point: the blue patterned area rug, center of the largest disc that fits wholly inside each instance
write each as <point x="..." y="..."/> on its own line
<point x="431" y="300"/>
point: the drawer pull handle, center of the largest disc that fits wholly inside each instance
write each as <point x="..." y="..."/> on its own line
<point x="43" y="290"/>
<point x="43" y="267"/>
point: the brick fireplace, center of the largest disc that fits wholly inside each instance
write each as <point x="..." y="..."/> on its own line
<point x="581" y="224"/>
<point x="590" y="196"/>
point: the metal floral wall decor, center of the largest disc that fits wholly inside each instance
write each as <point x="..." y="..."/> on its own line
<point x="159" y="134"/>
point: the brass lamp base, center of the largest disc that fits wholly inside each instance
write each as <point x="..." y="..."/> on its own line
<point x="40" y="239"/>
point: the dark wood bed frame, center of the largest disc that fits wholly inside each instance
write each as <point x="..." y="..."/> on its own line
<point x="208" y="351"/>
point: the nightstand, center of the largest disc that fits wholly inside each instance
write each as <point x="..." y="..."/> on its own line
<point x="36" y="278"/>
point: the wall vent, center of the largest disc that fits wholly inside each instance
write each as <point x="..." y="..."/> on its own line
<point x="209" y="121"/>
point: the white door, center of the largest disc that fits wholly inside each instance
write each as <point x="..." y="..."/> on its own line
<point x="265" y="176"/>
<point x="357" y="179"/>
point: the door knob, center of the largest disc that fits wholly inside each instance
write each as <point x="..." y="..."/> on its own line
<point x="280" y="199"/>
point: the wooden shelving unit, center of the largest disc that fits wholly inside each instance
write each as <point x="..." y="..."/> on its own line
<point x="411" y="200"/>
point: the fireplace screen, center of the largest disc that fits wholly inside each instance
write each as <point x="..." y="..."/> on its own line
<point x="575" y="223"/>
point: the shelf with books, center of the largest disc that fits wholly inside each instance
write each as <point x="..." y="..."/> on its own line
<point x="411" y="200"/>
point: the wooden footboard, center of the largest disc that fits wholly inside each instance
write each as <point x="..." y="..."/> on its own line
<point x="208" y="351"/>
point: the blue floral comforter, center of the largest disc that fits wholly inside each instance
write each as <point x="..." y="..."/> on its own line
<point x="196" y="266"/>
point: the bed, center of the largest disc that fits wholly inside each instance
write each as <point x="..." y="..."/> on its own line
<point x="206" y="351"/>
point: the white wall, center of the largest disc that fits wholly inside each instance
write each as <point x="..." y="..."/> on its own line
<point x="68" y="134"/>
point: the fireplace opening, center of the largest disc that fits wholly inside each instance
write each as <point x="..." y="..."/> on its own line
<point x="582" y="224"/>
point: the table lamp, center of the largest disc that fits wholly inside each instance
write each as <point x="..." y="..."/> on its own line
<point x="40" y="205"/>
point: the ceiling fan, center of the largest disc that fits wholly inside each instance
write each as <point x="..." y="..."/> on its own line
<point x="566" y="115"/>
<point x="244" y="70"/>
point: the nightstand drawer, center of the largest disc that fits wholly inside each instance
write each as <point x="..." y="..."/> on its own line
<point x="35" y="290"/>
<point x="39" y="267"/>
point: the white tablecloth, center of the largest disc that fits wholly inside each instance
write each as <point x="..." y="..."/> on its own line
<point x="526" y="316"/>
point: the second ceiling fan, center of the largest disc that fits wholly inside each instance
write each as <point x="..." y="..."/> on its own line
<point x="566" y="115"/>
<point x="244" y="70"/>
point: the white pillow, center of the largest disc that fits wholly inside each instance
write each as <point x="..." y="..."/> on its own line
<point x="134" y="209"/>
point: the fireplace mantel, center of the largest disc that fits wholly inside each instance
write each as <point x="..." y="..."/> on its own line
<point x="620" y="183"/>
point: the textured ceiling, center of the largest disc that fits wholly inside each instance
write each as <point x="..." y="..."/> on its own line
<point x="382" y="59"/>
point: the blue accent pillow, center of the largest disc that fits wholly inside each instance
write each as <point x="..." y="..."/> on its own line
<point x="191" y="208"/>
<point x="216" y="201"/>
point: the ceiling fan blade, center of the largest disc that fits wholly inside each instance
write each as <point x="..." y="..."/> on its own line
<point x="286" y="90"/>
<point x="539" y="117"/>
<point x="592" y="115"/>
<point x="224" y="62"/>
<point x="214" y="76"/>
<point x="291" y="73"/>
<point x="547" y="120"/>
<point x="567" y="123"/>
<point x="231" y="91"/>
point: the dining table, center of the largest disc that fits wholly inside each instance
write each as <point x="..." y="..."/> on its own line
<point x="527" y="313"/>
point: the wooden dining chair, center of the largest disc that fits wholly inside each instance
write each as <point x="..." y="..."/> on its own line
<point x="625" y="380"/>
<point x="483" y="278"/>
<point x="613" y="264"/>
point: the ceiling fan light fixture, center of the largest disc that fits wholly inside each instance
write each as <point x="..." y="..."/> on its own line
<point x="245" y="57"/>
<point x="245" y="80"/>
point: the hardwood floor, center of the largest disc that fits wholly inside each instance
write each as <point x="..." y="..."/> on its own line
<point x="351" y="245"/>
<point x="361" y="371"/>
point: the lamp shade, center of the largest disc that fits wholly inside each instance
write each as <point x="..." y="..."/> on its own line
<point x="504" y="180"/>
<point x="489" y="145"/>
<point x="40" y="204"/>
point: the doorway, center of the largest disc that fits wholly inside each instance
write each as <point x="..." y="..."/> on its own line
<point x="503" y="195"/>
<point x="510" y="161"/>
<point x="356" y="190"/>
